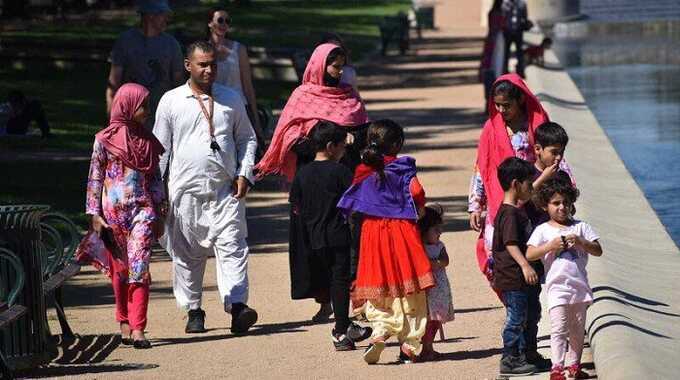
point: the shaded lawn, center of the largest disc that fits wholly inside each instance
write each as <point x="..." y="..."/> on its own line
<point x="269" y="23"/>
<point x="73" y="92"/>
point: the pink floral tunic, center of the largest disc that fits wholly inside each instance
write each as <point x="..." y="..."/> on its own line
<point x="128" y="200"/>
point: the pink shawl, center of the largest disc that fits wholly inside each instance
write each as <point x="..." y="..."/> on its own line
<point x="495" y="146"/>
<point x="129" y="141"/>
<point x="309" y="103"/>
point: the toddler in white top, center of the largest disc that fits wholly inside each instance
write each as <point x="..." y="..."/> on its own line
<point x="564" y="244"/>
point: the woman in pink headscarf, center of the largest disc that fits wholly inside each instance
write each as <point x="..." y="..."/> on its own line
<point x="125" y="199"/>
<point x="321" y="96"/>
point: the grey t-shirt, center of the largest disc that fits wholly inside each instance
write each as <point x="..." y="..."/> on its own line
<point x="149" y="61"/>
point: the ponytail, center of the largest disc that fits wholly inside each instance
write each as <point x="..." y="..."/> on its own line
<point x="373" y="157"/>
<point x="383" y="137"/>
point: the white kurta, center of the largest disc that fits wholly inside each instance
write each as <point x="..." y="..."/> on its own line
<point x="204" y="218"/>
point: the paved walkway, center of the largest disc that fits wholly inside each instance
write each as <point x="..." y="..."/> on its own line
<point x="434" y="93"/>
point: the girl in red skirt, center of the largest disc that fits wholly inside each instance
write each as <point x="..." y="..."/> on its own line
<point x="393" y="270"/>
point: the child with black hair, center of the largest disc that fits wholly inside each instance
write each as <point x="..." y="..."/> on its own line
<point x="563" y="245"/>
<point x="393" y="270"/>
<point x="439" y="299"/>
<point x="550" y="141"/>
<point x="512" y="272"/>
<point x="325" y="266"/>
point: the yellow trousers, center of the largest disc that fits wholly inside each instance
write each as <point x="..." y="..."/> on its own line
<point x="405" y="317"/>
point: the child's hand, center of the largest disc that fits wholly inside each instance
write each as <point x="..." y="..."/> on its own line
<point x="530" y="275"/>
<point x="556" y="245"/>
<point x="99" y="224"/>
<point x="549" y="172"/>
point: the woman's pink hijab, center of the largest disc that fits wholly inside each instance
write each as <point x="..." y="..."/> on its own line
<point x="494" y="147"/>
<point x="129" y="141"/>
<point x="309" y="103"/>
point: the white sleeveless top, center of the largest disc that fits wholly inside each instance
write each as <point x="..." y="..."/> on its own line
<point x="229" y="71"/>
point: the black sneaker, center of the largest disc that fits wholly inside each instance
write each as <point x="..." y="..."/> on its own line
<point x="342" y="342"/>
<point x="357" y="333"/>
<point x="195" y="322"/>
<point x="542" y="364"/>
<point x="324" y="313"/>
<point x="242" y="318"/>
<point x="516" y="366"/>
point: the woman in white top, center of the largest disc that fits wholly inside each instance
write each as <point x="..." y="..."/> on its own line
<point x="233" y="65"/>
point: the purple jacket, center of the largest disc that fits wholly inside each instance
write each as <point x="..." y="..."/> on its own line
<point x="390" y="198"/>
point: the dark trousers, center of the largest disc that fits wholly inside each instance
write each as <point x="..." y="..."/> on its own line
<point x="19" y="123"/>
<point x="335" y="264"/>
<point x="516" y="307"/>
<point x="533" y="317"/>
<point x="516" y="38"/>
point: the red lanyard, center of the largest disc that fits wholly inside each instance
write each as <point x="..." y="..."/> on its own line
<point x="209" y="117"/>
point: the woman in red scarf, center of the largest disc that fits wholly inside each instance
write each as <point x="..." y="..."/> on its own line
<point x="514" y="115"/>
<point x="321" y="96"/>
<point x="124" y="197"/>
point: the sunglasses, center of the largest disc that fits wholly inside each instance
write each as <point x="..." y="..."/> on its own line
<point x="224" y="20"/>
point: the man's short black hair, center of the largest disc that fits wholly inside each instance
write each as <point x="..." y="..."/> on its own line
<point x="550" y="133"/>
<point x="201" y="45"/>
<point x="514" y="168"/>
<point x="325" y="132"/>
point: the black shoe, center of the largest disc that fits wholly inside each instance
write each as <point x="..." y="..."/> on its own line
<point x="542" y="364"/>
<point x="342" y="342"/>
<point x="242" y="318"/>
<point x="357" y="333"/>
<point x="324" y="313"/>
<point x="126" y="341"/>
<point x="516" y="366"/>
<point x="142" y="344"/>
<point x="195" y="322"/>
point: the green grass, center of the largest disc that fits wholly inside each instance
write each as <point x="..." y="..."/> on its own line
<point x="72" y="92"/>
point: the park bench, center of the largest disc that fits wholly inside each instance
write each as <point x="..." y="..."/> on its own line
<point x="59" y="240"/>
<point x="394" y="28"/>
<point x="10" y="311"/>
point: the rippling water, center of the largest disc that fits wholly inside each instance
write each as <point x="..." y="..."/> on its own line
<point x="636" y="100"/>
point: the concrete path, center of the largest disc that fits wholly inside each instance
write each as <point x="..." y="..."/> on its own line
<point x="434" y="93"/>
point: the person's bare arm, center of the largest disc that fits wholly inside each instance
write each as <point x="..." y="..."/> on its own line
<point x="114" y="82"/>
<point x="535" y="253"/>
<point x="248" y="89"/>
<point x="529" y="273"/>
<point x="442" y="261"/>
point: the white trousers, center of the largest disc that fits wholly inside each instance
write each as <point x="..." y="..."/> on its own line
<point x="186" y="229"/>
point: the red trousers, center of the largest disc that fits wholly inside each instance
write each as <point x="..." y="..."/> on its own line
<point x="132" y="301"/>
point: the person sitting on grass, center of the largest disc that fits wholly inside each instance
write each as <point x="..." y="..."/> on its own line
<point x="19" y="112"/>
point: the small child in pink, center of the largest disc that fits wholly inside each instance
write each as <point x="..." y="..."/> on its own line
<point x="564" y="244"/>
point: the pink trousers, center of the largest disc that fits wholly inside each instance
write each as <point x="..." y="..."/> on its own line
<point x="132" y="301"/>
<point x="567" y="329"/>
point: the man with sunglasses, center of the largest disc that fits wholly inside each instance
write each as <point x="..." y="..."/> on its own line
<point x="147" y="56"/>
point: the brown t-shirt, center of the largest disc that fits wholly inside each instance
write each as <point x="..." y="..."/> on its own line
<point x="511" y="227"/>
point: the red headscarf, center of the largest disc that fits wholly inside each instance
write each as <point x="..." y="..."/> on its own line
<point x="309" y="103"/>
<point x="138" y="148"/>
<point x="495" y="146"/>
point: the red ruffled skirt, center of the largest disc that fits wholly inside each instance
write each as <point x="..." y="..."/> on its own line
<point x="392" y="260"/>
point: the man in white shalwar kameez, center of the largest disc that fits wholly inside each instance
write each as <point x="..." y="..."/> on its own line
<point x="209" y="155"/>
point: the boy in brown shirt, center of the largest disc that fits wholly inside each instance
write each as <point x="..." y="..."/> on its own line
<point x="512" y="272"/>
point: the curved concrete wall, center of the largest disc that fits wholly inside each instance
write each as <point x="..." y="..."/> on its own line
<point x="634" y="323"/>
